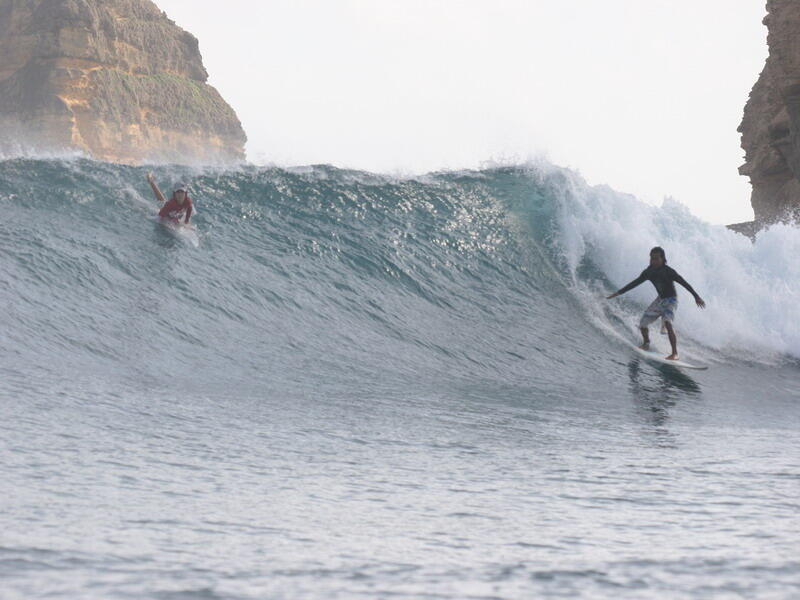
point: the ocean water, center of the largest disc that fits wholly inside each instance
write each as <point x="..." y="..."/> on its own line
<point x="357" y="386"/>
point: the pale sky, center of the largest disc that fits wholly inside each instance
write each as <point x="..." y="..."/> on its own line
<point x="642" y="95"/>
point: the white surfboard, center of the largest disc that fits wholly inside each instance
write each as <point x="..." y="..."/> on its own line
<point x="187" y="233"/>
<point x="655" y="356"/>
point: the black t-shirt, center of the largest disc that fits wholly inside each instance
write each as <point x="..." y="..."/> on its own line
<point x="663" y="278"/>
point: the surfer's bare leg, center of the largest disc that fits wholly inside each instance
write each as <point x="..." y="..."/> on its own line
<point x="646" y="339"/>
<point x="673" y="340"/>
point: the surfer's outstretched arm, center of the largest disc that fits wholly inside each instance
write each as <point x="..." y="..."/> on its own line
<point x="684" y="283"/>
<point x="154" y="186"/>
<point x="638" y="281"/>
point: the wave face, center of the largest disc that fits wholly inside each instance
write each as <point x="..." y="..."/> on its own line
<point x="324" y="273"/>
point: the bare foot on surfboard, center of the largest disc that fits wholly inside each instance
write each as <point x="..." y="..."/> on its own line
<point x="644" y="347"/>
<point x="672" y="357"/>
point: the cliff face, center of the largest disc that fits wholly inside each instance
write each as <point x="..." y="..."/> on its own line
<point x="771" y="125"/>
<point x="115" y="78"/>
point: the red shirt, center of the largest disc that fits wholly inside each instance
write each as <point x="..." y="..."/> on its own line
<point x="174" y="211"/>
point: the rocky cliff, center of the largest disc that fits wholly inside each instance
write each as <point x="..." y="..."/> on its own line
<point x="114" y="78"/>
<point x="771" y="125"/>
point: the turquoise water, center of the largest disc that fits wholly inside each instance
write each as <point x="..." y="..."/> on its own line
<point x="363" y="386"/>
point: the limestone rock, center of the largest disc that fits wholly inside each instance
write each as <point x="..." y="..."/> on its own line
<point x="114" y="78"/>
<point x="771" y="125"/>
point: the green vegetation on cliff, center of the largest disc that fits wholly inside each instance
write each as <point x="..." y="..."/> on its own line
<point x="171" y="102"/>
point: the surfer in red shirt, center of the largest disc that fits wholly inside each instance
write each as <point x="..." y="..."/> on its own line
<point x="174" y="208"/>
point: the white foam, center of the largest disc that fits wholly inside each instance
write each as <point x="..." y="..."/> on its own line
<point x="752" y="290"/>
<point x="9" y="151"/>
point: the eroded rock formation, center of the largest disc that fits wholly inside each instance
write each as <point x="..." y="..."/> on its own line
<point x="114" y="78"/>
<point x="771" y="125"/>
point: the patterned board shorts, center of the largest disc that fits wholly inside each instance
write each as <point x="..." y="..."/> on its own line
<point x="660" y="308"/>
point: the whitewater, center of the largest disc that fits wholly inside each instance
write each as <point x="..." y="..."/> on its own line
<point x="361" y="386"/>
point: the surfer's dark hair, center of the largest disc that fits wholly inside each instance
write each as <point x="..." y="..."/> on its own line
<point x="660" y="250"/>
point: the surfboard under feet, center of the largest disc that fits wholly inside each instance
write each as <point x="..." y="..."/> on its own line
<point x="658" y="357"/>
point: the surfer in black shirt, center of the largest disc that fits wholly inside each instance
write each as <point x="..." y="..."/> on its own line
<point x="664" y="278"/>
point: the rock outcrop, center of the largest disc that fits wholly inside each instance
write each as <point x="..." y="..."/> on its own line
<point x="114" y="78"/>
<point x="771" y="125"/>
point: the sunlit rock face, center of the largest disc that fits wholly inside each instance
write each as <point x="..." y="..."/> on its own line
<point x="115" y="79"/>
<point x="771" y="125"/>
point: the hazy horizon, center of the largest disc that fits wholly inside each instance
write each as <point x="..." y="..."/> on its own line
<point x="641" y="97"/>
